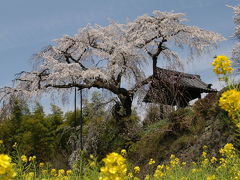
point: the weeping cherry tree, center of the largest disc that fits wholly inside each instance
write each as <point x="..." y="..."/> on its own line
<point x="110" y="57"/>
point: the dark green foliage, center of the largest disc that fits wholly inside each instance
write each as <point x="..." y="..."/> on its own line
<point x="9" y="128"/>
<point x="35" y="133"/>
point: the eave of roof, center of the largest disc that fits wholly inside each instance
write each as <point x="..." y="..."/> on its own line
<point x="185" y="80"/>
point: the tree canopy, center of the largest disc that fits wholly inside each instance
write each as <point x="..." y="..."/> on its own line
<point x="105" y="57"/>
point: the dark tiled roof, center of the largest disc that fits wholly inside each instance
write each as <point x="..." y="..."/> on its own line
<point x="183" y="79"/>
<point x="175" y="88"/>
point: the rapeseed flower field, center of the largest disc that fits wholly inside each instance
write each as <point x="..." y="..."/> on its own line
<point x="115" y="167"/>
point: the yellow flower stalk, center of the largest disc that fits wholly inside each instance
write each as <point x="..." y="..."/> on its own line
<point x="204" y="154"/>
<point x="91" y="156"/>
<point x="184" y="163"/>
<point x="174" y="160"/>
<point x="130" y="175"/>
<point x="53" y="172"/>
<point x="205" y="147"/>
<point x="213" y="160"/>
<point x="194" y="170"/>
<point x="151" y="161"/>
<point x="228" y="150"/>
<point x="212" y="177"/>
<point x="24" y="158"/>
<point x="222" y="65"/>
<point x="123" y="152"/>
<point x="69" y="172"/>
<point x="32" y="158"/>
<point x="230" y="102"/>
<point x="147" y="177"/>
<point x="115" y="167"/>
<point x="159" y="171"/>
<point x="61" y="172"/>
<point x="137" y="169"/>
<point x="6" y="169"/>
<point x="30" y="176"/>
<point x="41" y="164"/>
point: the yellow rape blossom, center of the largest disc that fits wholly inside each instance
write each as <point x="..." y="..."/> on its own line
<point x="151" y="161"/>
<point x="205" y="162"/>
<point x="230" y="102"/>
<point x="147" y="177"/>
<point x="174" y="160"/>
<point x="69" y="172"/>
<point x="115" y="167"/>
<point x="53" y="172"/>
<point x="1" y="141"/>
<point x="167" y="168"/>
<point x="24" y="158"/>
<point x="91" y="156"/>
<point x="136" y="169"/>
<point x="213" y="160"/>
<point x="41" y="164"/>
<point x="61" y="172"/>
<point x="29" y="176"/>
<point x="130" y="175"/>
<point x="212" y="177"/>
<point x="194" y="170"/>
<point x="123" y="152"/>
<point x="32" y="158"/>
<point x="6" y="170"/>
<point x="222" y="160"/>
<point x="228" y="150"/>
<point x="204" y="154"/>
<point x="205" y="147"/>
<point x="159" y="171"/>
<point x="222" y="65"/>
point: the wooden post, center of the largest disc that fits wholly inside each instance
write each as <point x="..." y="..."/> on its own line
<point x="75" y="107"/>
<point x="81" y="121"/>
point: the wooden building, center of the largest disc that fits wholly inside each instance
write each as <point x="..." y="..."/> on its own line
<point x="175" y="88"/>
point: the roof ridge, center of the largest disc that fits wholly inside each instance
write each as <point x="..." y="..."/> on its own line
<point x="188" y="75"/>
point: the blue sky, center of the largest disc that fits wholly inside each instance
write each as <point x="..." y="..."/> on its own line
<point x="27" y="26"/>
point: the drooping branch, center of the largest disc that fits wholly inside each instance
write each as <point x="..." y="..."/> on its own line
<point x="123" y="51"/>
